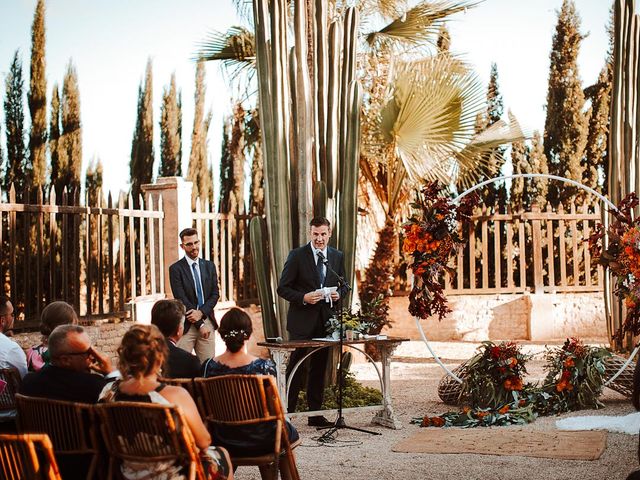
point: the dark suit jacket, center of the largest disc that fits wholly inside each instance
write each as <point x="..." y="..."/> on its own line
<point x="300" y="276"/>
<point x="182" y="364"/>
<point x="63" y="384"/>
<point x="184" y="289"/>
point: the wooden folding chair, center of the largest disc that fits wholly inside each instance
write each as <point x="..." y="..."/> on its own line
<point x="27" y="457"/>
<point x="148" y="432"/>
<point x="69" y="425"/>
<point x="236" y="400"/>
<point x="186" y="383"/>
<point x="7" y="396"/>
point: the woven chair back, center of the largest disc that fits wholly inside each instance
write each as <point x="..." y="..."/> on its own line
<point x="147" y="432"/>
<point x="247" y="400"/>
<point x="69" y="425"/>
<point x="27" y="457"/>
<point x="7" y="396"/>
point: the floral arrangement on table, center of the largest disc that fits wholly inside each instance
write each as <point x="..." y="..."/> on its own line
<point x="622" y="258"/>
<point x="369" y="319"/>
<point x="431" y="238"/>
<point x="495" y="393"/>
<point x="350" y="321"/>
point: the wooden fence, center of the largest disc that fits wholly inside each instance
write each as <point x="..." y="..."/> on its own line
<point x="225" y="241"/>
<point x="540" y="251"/>
<point x="97" y="257"/>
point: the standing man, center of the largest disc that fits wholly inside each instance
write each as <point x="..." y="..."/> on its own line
<point x="303" y="274"/>
<point x="168" y="316"/>
<point x="194" y="282"/>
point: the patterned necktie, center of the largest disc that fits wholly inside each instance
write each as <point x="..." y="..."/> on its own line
<point x="196" y="275"/>
<point x="321" y="274"/>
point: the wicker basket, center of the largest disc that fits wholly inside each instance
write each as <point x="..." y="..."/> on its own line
<point x="623" y="383"/>
<point x="449" y="390"/>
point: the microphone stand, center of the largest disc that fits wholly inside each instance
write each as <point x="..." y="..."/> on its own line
<point x="339" y="423"/>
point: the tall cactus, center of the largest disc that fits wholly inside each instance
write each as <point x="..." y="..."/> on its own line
<point x="624" y="149"/>
<point x="310" y="134"/>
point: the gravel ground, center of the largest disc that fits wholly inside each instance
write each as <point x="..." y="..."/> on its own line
<point x="359" y="456"/>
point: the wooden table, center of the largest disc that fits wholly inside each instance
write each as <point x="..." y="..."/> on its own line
<point x="280" y="352"/>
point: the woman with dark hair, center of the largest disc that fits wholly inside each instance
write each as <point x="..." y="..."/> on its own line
<point x="141" y="354"/>
<point x="252" y="440"/>
<point x="53" y="315"/>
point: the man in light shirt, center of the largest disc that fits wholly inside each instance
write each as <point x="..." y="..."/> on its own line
<point x="11" y="356"/>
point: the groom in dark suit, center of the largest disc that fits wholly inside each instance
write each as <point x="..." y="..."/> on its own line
<point x="194" y="282"/>
<point x="303" y="274"/>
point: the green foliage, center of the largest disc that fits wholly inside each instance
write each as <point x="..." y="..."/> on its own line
<point x="37" y="98"/>
<point x="70" y="142"/>
<point x="198" y="171"/>
<point x="170" y="132"/>
<point x="565" y="130"/>
<point x="354" y="394"/>
<point x="142" y="154"/>
<point x="16" y="169"/>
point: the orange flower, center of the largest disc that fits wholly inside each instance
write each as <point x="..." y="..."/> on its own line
<point x="466" y="409"/>
<point x="426" y="422"/>
<point x="513" y="361"/>
<point x="504" y="409"/>
<point x="564" y="385"/>
<point x="513" y="383"/>
<point x="437" y="422"/>
<point x="408" y="245"/>
<point x="481" y="415"/>
<point x="569" y="363"/>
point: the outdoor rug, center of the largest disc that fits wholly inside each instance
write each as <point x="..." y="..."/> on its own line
<point x="582" y="445"/>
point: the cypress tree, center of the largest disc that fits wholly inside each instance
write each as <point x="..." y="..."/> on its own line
<point x="520" y="162"/>
<point x="232" y="177"/>
<point x="54" y="133"/>
<point x="565" y="130"/>
<point x="497" y="192"/>
<point x="198" y="171"/>
<point x="538" y="164"/>
<point x="37" y="98"/>
<point x="142" y="155"/>
<point x="93" y="181"/>
<point x="17" y="169"/>
<point x="226" y="167"/>
<point x="170" y="148"/>
<point x="70" y="143"/>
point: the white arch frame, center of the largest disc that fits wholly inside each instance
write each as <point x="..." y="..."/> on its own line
<point x="525" y="175"/>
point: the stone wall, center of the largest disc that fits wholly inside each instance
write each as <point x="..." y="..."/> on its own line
<point x="532" y="317"/>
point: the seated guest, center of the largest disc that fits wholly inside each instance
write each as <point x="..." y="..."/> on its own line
<point x="69" y="375"/>
<point x="54" y="314"/>
<point x="141" y="355"/>
<point x="168" y="316"/>
<point x="11" y="356"/>
<point x="251" y="440"/>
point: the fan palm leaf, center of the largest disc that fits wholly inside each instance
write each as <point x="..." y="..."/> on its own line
<point x="430" y="115"/>
<point x="235" y="48"/>
<point x="419" y="24"/>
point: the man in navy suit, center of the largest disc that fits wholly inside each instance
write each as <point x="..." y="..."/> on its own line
<point x="303" y="274"/>
<point x="194" y="282"/>
<point x="169" y="316"/>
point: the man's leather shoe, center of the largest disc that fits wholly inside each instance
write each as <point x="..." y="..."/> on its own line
<point x="319" y="421"/>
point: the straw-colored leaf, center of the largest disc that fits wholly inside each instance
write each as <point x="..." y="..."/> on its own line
<point x="235" y="48"/>
<point x="419" y="24"/>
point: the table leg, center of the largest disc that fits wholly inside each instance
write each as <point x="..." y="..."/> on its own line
<point x="386" y="417"/>
<point x="281" y="358"/>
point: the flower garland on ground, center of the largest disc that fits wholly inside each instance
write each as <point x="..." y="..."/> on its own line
<point x="431" y="238"/>
<point x="622" y="258"/>
<point x="494" y="392"/>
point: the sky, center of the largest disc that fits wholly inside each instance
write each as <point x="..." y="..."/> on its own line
<point x="109" y="42"/>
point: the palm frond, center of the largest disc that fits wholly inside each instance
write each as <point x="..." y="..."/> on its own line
<point x="478" y="156"/>
<point x="419" y="24"/>
<point x="235" y="48"/>
<point x="387" y="9"/>
<point x="430" y="115"/>
<point x="244" y="8"/>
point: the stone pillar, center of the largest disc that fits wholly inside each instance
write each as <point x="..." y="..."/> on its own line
<point x="176" y="204"/>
